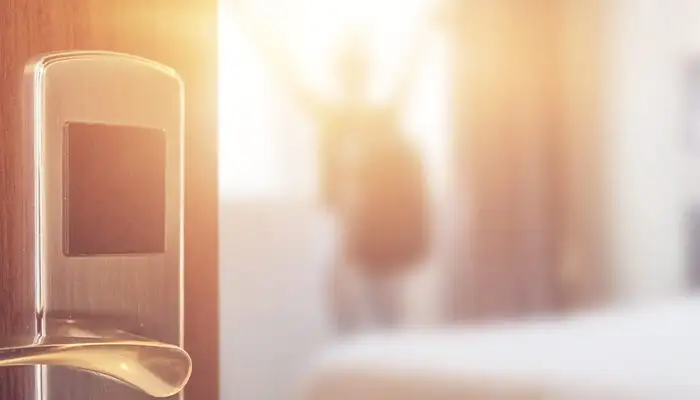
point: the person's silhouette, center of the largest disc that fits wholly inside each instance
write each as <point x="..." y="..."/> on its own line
<point x="371" y="180"/>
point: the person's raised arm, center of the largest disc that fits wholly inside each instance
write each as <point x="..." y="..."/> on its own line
<point x="419" y="47"/>
<point x="278" y="61"/>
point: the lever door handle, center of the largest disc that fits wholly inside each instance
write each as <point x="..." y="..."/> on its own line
<point x="158" y="369"/>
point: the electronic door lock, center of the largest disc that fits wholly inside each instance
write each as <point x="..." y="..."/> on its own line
<point x="103" y="183"/>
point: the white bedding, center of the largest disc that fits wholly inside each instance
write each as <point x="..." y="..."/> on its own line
<point x="645" y="353"/>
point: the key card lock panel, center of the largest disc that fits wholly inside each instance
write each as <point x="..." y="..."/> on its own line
<point x="104" y="156"/>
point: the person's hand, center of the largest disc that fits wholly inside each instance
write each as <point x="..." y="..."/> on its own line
<point x="442" y="15"/>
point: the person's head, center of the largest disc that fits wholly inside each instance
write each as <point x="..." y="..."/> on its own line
<point x="352" y="66"/>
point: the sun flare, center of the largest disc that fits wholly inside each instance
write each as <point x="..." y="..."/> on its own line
<point x="250" y="157"/>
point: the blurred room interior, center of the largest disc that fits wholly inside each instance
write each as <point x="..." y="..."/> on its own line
<point x="559" y="139"/>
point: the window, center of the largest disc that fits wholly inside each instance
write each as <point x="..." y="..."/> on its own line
<point x="267" y="149"/>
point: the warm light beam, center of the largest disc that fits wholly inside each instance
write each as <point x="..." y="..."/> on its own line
<point x="250" y="157"/>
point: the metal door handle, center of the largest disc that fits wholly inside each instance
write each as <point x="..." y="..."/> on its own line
<point x="158" y="369"/>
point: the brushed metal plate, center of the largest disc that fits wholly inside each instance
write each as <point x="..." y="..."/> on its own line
<point x="139" y="293"/>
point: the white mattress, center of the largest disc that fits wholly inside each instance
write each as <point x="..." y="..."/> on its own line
<point x="645" y="353"/>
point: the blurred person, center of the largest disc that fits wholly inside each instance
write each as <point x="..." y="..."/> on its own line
<point x="372" y="182"/>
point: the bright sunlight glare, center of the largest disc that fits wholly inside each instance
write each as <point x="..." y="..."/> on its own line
<point x="251" y="152"/>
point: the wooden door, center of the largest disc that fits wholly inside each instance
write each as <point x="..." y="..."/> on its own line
<point x="178" y="33"/>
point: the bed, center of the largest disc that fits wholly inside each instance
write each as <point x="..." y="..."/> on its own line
<point x="650" y="352"/>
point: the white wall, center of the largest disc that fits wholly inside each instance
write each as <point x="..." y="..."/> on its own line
<point x="274" y="257"/>
<point x="648" y="42"/>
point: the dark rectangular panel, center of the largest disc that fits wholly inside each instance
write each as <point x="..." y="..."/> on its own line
<point x="114" y="189"/>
